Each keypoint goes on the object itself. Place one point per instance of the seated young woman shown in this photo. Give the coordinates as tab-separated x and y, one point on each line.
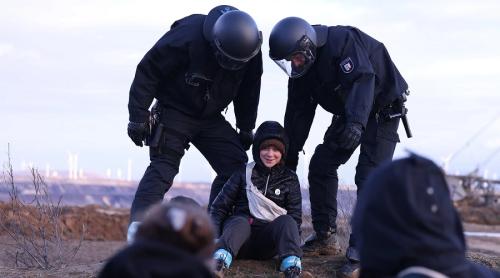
266	205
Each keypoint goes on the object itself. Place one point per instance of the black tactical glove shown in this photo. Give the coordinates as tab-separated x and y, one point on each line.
350	137
138	132
246	139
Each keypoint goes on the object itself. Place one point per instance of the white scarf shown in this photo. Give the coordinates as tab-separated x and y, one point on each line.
260	206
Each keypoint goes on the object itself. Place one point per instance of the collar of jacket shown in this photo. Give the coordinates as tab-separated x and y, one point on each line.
263	170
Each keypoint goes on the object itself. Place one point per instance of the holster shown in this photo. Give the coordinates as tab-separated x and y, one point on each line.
156	127
396	109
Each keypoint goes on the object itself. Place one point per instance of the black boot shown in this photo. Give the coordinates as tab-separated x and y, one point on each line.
322	243
351	268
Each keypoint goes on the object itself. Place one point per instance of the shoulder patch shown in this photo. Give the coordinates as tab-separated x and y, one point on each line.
347	65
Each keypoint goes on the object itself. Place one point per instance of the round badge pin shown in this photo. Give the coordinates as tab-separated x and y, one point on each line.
277	192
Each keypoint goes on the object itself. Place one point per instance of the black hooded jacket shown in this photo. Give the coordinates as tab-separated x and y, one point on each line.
405	217
352	76
182	73
283	186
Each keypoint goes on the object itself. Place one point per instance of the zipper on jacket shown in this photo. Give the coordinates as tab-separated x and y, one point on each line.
267	182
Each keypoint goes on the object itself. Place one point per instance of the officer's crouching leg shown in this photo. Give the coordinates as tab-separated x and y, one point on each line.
323	185
219	144
377	146
156	180
225	167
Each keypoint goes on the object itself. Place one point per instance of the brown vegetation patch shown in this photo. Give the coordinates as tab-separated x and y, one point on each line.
99	223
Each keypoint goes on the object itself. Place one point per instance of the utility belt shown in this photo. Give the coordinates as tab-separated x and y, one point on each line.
158	131
396	109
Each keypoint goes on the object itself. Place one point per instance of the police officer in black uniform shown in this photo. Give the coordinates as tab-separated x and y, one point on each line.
194	71
350	75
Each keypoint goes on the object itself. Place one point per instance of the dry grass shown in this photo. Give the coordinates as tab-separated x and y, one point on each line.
34	226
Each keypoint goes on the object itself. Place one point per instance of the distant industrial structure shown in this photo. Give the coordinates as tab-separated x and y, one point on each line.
476	187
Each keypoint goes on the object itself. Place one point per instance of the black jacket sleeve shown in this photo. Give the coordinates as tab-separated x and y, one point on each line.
247	100
358	77
299	115
224	202
294	201
156	65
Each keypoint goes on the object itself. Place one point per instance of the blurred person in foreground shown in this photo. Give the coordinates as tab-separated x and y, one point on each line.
176	239
267	206
406	224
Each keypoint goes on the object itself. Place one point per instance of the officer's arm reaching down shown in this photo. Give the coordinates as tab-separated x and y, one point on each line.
247	100
358	77
156	65
299	115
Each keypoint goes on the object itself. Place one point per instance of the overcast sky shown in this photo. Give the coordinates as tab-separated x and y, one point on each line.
66	69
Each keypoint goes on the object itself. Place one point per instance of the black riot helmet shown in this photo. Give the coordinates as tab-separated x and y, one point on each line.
292	46
234	36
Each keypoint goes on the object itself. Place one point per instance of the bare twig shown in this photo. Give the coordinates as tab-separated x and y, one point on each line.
36	226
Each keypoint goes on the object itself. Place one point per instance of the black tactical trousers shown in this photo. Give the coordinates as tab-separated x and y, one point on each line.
377	145
260	241
214	137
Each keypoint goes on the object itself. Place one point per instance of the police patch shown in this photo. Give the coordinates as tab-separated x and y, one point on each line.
347	65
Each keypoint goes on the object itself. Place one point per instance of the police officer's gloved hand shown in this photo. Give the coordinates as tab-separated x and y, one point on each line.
349	139
138	132
246	139
291	161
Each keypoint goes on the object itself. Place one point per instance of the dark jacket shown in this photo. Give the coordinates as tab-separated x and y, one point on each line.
405	217
182	73
283	186
153	259
352	76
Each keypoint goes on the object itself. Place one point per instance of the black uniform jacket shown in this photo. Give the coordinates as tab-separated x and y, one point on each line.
283	186
182	73
353	74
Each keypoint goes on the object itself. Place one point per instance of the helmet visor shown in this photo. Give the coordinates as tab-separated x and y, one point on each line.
296	64
227	62
230	62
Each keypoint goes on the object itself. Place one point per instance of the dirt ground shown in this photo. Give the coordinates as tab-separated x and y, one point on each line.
105	234
472	212
93	254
